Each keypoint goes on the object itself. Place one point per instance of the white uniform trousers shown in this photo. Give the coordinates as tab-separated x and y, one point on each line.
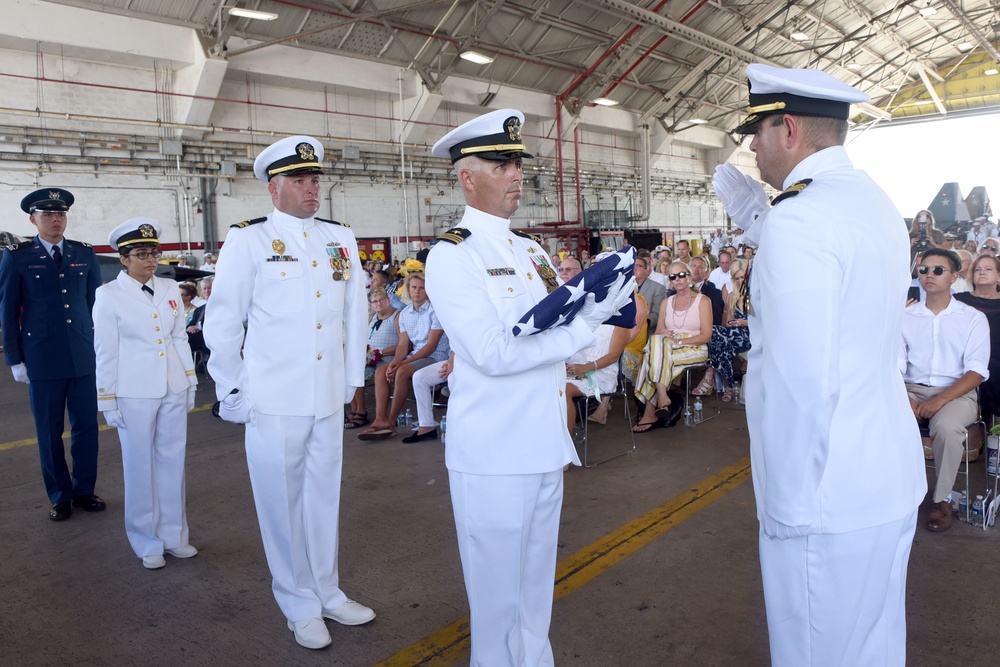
838	600
153	447
295	465
508	529
424	380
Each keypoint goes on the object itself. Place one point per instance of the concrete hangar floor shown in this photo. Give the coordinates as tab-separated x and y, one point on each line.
658	561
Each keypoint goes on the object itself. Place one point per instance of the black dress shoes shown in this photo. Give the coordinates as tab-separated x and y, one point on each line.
418	437
60	511
89	503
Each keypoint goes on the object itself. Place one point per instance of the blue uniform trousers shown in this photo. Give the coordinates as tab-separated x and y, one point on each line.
49	402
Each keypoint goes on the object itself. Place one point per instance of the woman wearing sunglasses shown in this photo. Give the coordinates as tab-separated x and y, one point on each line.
683	330
145	388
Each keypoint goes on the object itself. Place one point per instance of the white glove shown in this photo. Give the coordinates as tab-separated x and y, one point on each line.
349	395
236	408
20	372
114	419
782	531
743	197
594	314
192	391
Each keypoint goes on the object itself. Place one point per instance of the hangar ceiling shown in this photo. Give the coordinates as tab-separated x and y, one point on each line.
677	61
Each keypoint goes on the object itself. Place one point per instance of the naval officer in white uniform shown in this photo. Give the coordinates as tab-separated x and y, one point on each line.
837	463
296	280
506	484
145	388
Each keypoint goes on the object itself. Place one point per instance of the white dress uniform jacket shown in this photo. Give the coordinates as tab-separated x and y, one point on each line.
141	344
306	334
490	280
831	429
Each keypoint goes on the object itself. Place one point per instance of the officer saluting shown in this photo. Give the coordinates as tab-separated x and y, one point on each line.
506	484
296	280
47	287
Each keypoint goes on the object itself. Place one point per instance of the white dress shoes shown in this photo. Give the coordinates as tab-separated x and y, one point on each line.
310	632
186	551
350	613
153	562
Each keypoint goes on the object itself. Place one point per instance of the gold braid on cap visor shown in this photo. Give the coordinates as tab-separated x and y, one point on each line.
290	167
495	147
139	240
764	108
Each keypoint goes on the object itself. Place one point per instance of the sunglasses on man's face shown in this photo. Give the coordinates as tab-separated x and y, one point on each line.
936	270
675	276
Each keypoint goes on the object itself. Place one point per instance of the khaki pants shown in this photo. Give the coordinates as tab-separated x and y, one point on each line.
947	434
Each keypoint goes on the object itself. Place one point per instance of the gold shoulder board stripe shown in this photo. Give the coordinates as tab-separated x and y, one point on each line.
455	235
247	223
792	190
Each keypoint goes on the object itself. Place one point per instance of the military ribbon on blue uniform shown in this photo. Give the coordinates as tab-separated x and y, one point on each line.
562	305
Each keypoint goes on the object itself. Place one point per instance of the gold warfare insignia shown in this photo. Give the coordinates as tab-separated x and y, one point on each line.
55	194
513	127
278	246
306	151
147	231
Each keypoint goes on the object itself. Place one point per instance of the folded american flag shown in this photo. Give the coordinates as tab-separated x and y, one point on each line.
566	301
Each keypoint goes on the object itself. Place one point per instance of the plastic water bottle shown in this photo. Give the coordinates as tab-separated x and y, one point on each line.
408	420
698	410
443	428
688	418
963	506
400	421
977	512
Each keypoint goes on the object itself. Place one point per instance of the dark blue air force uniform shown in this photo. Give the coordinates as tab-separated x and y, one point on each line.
45	312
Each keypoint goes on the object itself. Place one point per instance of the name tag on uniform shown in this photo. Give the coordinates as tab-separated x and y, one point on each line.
282	258
37	266
503	271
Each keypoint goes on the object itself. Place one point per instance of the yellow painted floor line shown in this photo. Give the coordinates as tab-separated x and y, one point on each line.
34	441
449	644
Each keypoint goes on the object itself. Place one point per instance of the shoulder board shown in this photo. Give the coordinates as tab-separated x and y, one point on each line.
526	235
333	222
23	245
792	190
82	244
247	223
455	235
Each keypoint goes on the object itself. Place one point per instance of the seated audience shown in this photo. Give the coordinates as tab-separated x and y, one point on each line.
569	268
594	370
963	282
652	291
424	381
381	279
419	331
720	276
383	337
699	279
632	356
733	337
990	246
984	278
944	357
682	334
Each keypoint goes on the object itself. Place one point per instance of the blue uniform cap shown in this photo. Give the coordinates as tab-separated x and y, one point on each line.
48	199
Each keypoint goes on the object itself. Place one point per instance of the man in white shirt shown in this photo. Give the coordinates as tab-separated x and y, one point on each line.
720	275
717	241
944	357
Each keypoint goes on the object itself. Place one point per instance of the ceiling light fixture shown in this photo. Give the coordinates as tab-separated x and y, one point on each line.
697	121
606	102
475	57
252	14
927	11
854	66
964	46
991	71
799	36
892	86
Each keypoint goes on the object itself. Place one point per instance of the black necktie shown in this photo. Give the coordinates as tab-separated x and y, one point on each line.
147	289
56	255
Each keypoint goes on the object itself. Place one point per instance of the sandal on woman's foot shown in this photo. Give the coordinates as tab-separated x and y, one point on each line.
727	395
706	386
357	420
643	427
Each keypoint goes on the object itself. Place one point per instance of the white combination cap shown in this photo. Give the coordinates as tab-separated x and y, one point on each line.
135	231
492	136
292	155
800	92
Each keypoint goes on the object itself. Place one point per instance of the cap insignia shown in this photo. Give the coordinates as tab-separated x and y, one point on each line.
147	231
306	151
513	127
54	194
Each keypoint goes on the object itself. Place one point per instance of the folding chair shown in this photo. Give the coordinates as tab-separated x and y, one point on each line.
967	458
687	394
583	412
